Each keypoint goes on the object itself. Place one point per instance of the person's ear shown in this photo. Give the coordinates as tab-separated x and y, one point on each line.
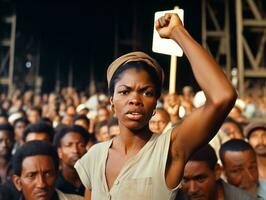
218	171
59	153
111	100
17	182
112	105
223	172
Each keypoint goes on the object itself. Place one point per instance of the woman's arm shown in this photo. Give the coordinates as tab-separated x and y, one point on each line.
202	124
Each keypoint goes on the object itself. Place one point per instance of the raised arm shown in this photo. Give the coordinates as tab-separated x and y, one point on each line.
202	124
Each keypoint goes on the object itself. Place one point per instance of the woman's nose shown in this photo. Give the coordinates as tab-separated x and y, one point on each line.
135	99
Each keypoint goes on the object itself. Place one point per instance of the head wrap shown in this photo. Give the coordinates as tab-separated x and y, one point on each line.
134	56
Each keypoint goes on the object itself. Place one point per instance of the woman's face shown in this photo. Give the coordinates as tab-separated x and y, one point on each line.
134	99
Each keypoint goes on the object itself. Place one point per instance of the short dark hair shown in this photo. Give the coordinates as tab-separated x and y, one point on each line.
139	65
74	128
81	117
3	114
234	145
38	127
46	120
21	119
205	154
8	128
34	148
36	108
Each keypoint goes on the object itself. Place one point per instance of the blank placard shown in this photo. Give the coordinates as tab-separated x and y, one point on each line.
166	46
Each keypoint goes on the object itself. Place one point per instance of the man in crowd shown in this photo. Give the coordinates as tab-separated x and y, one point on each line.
240	166
202	181
3	117
34	114
19	126
71	145
113	127
38	131
82	120
103	114
101	131
35	167
232	128
160	121
67	120
256	134
6	146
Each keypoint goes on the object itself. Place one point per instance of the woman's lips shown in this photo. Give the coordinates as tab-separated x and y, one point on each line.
134	116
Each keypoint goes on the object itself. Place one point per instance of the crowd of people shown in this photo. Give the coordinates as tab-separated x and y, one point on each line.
69	123
69	145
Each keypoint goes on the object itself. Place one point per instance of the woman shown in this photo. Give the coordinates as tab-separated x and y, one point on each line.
138	164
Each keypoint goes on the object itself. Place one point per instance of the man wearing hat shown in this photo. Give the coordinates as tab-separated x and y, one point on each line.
256	135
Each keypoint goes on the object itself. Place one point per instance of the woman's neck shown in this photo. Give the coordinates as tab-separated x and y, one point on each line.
130	141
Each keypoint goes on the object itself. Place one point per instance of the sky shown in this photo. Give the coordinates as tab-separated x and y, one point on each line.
81	35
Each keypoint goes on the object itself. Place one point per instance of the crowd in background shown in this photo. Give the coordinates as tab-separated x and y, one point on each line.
73	121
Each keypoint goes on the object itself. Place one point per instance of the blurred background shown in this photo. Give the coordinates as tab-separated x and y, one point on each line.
72	42
57	44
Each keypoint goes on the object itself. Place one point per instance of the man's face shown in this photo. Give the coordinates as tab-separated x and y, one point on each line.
241	170
102	134
102	114
67	120
34	116
199	181
158	122
232	130
6	143
37	179
257	140
73	147
18	129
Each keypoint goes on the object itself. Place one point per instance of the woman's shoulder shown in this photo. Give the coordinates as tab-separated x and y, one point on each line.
97	150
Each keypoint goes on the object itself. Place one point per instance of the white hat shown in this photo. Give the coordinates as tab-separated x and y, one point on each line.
81	107
13	117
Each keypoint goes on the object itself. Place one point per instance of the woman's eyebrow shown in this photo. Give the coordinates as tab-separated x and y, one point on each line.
129	87
146	87
126	86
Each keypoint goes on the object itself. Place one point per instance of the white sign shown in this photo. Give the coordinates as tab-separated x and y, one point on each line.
163	45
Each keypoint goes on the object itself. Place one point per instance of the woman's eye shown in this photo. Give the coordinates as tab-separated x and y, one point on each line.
30	175
149	93
124	92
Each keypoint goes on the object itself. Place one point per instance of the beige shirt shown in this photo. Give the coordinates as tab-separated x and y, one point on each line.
63	196
141	178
